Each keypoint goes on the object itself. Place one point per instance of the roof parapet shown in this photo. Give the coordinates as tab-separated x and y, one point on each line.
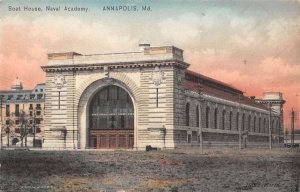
146	53
61	56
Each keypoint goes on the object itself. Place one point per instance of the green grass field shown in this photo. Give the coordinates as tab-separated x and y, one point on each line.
174	170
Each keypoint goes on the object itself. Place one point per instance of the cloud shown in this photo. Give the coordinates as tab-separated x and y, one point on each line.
25	43
215	43
182	30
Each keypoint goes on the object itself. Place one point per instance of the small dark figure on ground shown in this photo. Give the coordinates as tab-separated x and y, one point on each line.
149	148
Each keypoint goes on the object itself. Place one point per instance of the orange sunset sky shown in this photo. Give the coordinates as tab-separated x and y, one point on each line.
252	45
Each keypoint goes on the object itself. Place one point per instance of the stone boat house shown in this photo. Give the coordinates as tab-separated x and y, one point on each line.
149	97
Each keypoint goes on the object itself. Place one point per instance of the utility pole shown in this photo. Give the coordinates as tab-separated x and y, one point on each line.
0	123
34	111
73	103
238	124
292	128
199	116
270	129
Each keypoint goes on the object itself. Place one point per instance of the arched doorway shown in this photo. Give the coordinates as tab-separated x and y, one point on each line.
111	119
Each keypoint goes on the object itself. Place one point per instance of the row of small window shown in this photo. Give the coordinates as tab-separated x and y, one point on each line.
17	110
261	127
23	97
38	106
112	122
41	90
29	130
18	122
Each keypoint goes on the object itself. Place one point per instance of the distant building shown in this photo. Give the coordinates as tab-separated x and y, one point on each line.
149	97
22	114
289	138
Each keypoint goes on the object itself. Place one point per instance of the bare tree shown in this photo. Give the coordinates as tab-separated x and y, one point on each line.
8	129
20	126
24	120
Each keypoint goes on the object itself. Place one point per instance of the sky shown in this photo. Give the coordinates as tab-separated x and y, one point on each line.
252	45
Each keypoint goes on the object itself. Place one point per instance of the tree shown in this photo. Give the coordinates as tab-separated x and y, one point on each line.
20	126
8	129
24	120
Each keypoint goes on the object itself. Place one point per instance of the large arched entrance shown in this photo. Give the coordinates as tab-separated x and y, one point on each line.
111	119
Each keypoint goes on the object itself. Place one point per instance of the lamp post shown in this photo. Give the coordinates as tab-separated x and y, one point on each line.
33	142
292	128
7	132
270	129
238	124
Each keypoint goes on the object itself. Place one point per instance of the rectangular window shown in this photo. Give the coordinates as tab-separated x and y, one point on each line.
37	121
30	106
122	119
130	122
17	110
30	113
32	96
39	96
7	111
10	97
19	97
31	122
194	135
17	122
7	122
38	106
38	113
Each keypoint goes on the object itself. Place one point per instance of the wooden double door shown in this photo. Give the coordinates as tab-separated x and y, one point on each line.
111	139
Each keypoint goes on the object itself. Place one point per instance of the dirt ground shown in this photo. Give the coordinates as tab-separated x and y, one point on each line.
169	170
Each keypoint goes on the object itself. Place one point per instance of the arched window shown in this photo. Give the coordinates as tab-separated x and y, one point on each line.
254	124
249	123
207	119
278	126
265	126
187	114
243	122
237	121
275	127
230	120
111	115
216	118
223	119
259	125
197	116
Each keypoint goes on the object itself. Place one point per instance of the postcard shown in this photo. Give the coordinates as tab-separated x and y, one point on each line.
149	95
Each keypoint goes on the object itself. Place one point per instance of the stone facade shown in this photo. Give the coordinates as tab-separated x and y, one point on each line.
165	104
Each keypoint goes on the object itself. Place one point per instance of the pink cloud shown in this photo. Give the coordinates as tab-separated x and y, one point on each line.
25	44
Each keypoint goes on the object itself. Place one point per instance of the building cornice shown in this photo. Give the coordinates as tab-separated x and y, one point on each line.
267	101
115	65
